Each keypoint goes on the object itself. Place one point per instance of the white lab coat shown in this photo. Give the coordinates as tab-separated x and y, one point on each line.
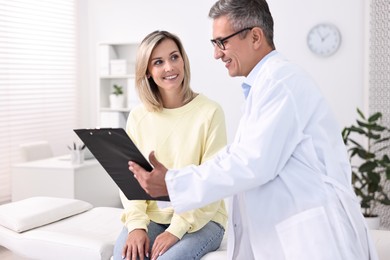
289	172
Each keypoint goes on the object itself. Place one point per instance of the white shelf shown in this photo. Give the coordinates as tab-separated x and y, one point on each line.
110	54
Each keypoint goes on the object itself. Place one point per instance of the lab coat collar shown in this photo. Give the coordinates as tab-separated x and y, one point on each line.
250	79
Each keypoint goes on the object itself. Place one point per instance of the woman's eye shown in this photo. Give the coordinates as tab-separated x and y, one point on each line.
175	57
157	62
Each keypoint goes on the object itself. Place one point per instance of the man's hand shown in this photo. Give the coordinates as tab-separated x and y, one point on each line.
152	182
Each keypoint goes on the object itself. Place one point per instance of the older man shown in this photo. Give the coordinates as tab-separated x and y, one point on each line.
287	169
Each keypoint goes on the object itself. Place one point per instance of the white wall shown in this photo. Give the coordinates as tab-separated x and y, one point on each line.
341	76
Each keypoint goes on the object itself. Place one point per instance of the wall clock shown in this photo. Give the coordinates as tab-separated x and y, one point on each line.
324	39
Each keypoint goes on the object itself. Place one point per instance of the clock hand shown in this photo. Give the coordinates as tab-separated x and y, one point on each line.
324	37
319	34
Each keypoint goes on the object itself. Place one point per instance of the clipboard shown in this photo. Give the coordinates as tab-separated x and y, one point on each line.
113	148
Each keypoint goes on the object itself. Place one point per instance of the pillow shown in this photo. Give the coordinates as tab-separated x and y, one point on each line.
34	212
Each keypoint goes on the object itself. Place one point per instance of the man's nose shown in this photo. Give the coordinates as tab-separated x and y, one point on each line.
218	53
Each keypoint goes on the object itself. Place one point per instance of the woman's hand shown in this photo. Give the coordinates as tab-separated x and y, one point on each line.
162	243
137	245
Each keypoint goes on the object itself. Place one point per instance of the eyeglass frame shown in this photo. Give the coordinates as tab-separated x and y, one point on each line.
220	42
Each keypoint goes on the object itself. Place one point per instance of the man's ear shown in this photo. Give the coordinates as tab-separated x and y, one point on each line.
258	37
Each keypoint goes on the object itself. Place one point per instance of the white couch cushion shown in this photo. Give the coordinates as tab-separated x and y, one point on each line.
34	212
90	235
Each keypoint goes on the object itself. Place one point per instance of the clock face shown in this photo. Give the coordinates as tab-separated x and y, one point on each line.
324	39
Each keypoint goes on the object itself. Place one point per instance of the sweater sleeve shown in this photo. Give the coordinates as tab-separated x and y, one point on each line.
134	214
193	220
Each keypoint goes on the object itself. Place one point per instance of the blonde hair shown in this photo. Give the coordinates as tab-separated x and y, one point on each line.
147	89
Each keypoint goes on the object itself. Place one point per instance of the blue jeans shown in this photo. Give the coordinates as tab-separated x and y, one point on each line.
191	246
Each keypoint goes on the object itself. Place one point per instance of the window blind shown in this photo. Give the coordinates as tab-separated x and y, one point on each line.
38	76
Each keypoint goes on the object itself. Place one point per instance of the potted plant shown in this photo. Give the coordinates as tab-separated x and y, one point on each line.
367	143
117	98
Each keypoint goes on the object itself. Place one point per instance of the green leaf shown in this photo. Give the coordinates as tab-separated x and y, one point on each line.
381	149
377	128
345	134
382	140
365	203
374	181
359	192
370	126
364	124
374	136
365	154
375	117
356	143
385	201
368	166
357	130
118	90
360	113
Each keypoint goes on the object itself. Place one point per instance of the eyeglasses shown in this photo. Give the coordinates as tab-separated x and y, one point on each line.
221	42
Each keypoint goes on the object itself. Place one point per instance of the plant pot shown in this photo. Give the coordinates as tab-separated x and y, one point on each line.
373	222
117	101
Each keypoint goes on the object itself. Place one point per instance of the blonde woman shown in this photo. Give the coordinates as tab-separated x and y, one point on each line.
182	128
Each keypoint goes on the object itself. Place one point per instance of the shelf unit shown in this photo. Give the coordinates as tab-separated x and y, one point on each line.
116	65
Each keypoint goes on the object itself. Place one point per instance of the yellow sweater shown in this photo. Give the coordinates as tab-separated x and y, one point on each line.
187	135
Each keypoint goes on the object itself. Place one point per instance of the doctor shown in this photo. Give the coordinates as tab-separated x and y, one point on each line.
287	168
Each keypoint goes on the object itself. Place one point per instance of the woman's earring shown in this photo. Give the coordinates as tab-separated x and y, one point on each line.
148	76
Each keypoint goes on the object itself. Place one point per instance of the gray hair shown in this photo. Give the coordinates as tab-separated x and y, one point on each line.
246	13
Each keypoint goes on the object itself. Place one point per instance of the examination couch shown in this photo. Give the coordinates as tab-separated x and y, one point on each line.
62	229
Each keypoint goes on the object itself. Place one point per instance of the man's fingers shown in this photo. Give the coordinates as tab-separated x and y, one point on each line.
140	175
153	160
158	167
152	182
135	168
